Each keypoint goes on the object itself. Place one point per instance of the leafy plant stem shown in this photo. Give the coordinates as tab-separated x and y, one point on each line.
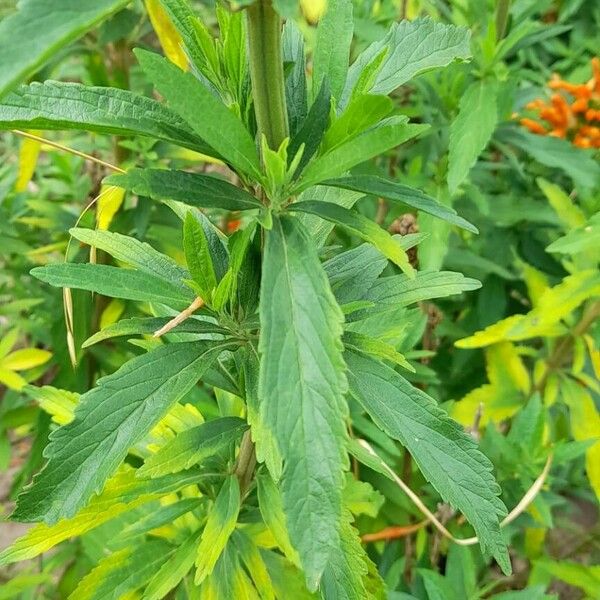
266	72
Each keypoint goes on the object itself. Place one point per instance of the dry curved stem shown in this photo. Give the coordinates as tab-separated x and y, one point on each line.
527	499
393	533
58	146
180	318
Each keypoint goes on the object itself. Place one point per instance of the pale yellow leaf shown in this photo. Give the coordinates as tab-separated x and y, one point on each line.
570	214
28	157
168	36
27	358
112	312
585	425
110	200
11	379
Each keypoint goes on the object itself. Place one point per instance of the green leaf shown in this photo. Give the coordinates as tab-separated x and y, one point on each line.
40	28
271	509
303	404
124	571
173	570
219	526
399	290
364	112
375	347
205	113
115	283
295	80
131	251
148	325
581	576
414	47
255	565
203	191
353	272
311	132
402	194
556	154
198	257
445	454
56	105
192	446
472	129
359	225
121	494
344	576
582	239
390	133
110	419
332	50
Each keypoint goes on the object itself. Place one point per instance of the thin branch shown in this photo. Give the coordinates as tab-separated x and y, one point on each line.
180	318
527	499
58	146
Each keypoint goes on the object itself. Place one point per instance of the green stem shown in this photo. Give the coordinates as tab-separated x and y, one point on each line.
266	72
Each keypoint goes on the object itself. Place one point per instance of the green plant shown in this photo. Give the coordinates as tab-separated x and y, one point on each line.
255	388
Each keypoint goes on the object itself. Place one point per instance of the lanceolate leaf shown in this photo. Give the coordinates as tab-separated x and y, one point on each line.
110	419
219	526
413	48
148	325
192	446
115	283
375	141
359	225
123	492
312	129
402	194
173	570
58	105
303	404
39	28
446	455
199	190
472	129
205	113
399	290
123	571
332	51
295	81
131	251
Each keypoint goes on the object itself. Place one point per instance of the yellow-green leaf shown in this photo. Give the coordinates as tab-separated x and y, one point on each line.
27	358
168	36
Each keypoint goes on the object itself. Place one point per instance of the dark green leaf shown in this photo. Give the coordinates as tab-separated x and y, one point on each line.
191	446
390	133
295	81
110	419
472	129
205	113
313	127
413	48
359	225
115	283
40	28
397	192
148	325
332	50
203	191
446	455
303	404
56	105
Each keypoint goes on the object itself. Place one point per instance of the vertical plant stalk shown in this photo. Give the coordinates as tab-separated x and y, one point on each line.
266	72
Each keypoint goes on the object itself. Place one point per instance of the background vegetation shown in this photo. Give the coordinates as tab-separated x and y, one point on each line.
513	147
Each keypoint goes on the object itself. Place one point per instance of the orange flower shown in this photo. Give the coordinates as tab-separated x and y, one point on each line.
571	110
